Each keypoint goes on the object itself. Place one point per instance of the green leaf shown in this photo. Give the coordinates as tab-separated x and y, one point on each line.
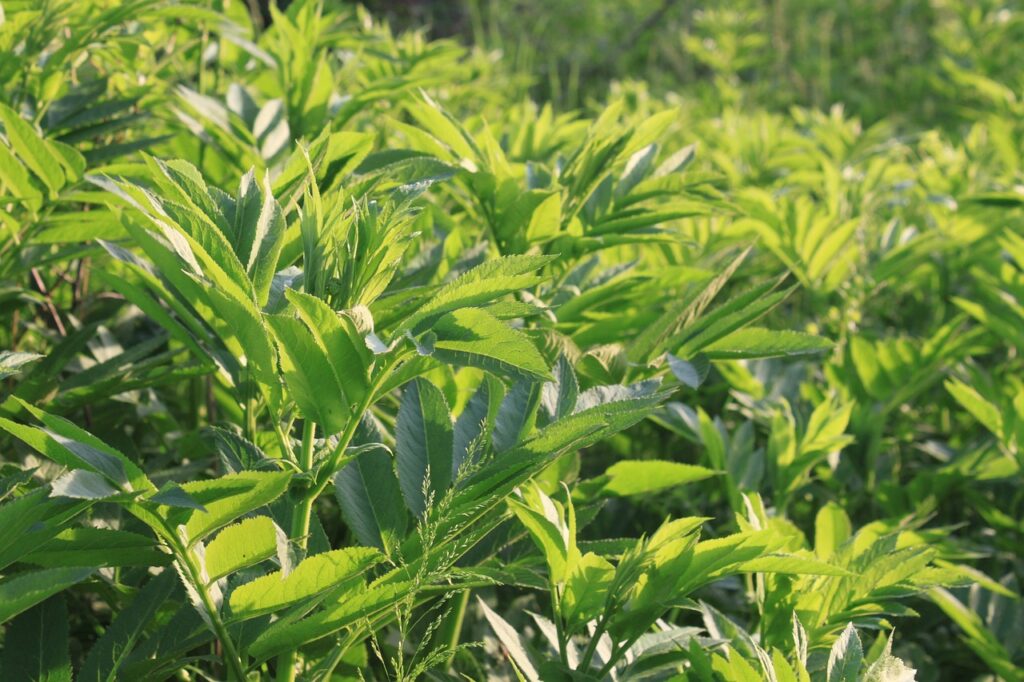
36	645
241	545
16	179
83	485
475	338
309	374
832	528
791	564
689	373
312	577
516	414
259	242
545	223
11	362
370	499
653	340
423	444
512	641
67	444
172	495
109	653
24	590
230	497
474	425
32	149
559	397
480	285
338	336
586	589
444	128
981	409
640	477
552	527
236	453
757	342
846	656
98	547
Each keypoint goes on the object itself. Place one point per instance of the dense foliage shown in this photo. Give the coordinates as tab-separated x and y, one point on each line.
331	351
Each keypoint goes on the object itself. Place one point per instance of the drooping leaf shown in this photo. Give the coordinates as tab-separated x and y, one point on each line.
83	485
512	641
423	444
370	498
11	362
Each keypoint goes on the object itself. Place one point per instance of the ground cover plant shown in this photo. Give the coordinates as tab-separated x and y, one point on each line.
337	349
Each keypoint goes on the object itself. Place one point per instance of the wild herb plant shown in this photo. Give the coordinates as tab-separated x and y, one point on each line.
327	354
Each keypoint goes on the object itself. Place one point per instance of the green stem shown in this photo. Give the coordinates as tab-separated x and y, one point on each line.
300	522
595	639
236	671
299	534
350	430
282	438
563	641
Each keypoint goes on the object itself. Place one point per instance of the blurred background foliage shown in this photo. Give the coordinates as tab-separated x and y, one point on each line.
922	62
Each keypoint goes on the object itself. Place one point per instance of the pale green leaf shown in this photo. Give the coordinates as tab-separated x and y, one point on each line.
312	577
32	149
476	338
641	477
241	545
757	342
832	528
230	497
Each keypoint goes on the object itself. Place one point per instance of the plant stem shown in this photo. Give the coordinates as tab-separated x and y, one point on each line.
595	639
339	451
299	533
300	521
236	671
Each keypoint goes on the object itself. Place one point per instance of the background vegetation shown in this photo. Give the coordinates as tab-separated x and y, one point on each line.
494	340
